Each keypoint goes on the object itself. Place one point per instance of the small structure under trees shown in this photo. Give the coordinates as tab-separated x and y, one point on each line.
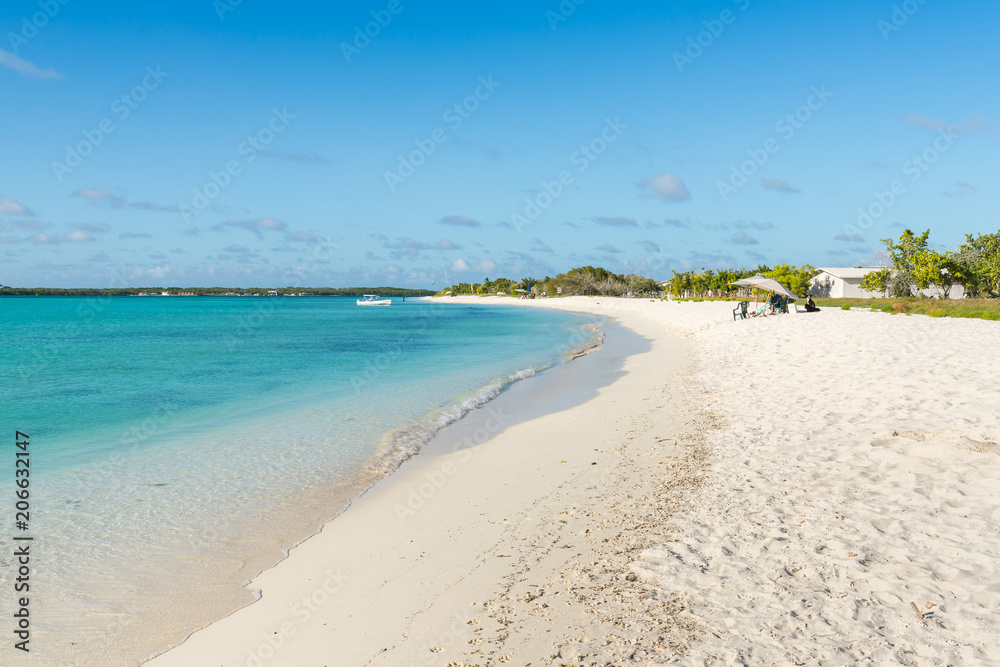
841	282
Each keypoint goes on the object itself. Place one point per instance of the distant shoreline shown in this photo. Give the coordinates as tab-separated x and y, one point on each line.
258	292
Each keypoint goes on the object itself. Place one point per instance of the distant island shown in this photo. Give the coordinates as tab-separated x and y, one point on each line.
214	291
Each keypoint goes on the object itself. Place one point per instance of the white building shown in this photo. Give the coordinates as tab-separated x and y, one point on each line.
845	283
841	283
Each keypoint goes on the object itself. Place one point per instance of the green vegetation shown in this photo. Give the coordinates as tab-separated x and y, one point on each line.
588	280
984	309
214	291
975	266
582	281
498	286
717	283
597	281
980	258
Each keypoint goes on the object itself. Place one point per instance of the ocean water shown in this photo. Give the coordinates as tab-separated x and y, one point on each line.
179	445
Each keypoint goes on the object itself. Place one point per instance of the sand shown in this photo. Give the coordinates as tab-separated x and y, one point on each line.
803	489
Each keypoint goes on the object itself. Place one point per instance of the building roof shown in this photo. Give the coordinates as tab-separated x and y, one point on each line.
850	272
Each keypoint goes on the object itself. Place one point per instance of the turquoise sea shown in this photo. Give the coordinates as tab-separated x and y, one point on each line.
180	444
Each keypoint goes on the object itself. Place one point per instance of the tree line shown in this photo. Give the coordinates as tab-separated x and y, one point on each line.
975	266
214	291
581	281
708	282
914	267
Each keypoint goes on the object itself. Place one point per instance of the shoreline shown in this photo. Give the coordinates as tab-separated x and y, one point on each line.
403	502
222	554
387	462
785	490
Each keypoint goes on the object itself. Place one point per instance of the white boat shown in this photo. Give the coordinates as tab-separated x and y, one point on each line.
374	300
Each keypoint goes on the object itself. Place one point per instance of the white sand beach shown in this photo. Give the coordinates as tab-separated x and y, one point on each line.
818	489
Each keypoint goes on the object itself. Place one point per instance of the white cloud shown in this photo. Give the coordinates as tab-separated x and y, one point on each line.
666	186
10	207
616	222
459	221
742	238
96	227
849	238
22	66
670	222
778	185
960	188
256	226
31	224
304	237
93	193
100	194
459	266
975	123
540	246
159	272
407	247
72	237
487	265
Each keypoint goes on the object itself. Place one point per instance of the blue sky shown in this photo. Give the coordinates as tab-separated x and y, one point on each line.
258	143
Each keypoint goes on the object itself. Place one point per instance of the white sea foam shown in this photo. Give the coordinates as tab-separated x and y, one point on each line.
404	442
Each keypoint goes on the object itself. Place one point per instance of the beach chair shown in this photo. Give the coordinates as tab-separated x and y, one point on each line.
741	310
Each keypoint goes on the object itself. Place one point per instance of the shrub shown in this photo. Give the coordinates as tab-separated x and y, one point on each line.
938	312
845	307
888	309
900	307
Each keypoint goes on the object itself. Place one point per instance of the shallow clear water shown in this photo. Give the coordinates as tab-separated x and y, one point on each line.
193	439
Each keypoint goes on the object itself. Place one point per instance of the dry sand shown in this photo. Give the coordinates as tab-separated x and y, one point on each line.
804	489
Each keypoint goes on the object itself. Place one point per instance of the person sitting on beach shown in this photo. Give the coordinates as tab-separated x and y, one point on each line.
811	306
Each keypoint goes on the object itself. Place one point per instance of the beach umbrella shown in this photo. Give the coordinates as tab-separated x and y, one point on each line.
767	284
